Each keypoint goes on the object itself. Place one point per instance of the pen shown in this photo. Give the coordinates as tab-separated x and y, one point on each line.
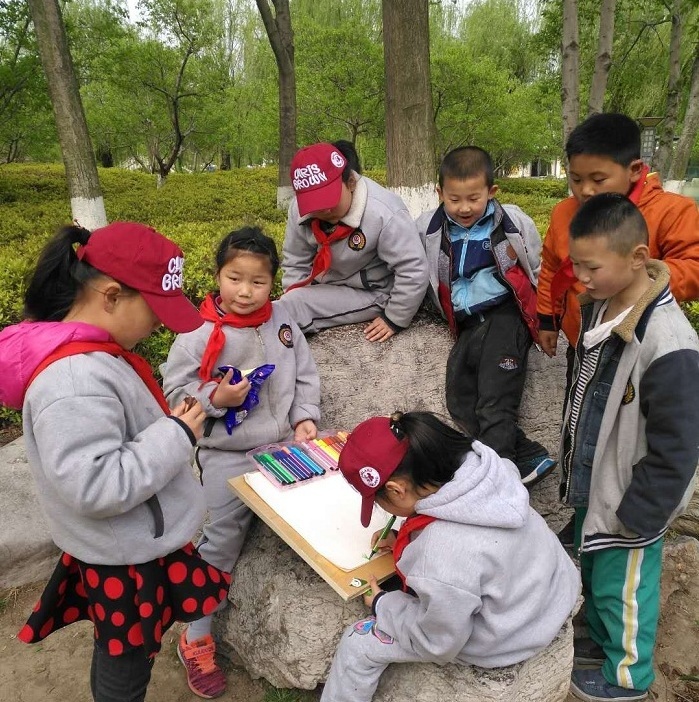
382	536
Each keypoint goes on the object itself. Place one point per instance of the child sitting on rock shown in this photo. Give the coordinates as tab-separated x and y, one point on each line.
485	581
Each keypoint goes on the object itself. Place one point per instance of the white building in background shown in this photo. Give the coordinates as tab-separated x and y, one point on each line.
541	168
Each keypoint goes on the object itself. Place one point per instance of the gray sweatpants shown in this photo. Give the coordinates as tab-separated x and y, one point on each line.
316	307
362	655
229	519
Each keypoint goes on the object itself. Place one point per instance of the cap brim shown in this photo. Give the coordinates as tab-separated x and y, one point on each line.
367	510
324	198
176	312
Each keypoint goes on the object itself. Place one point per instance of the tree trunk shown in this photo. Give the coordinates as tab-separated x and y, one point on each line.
663	156
86	201
570	68
410	137
690	126
603	60
281	39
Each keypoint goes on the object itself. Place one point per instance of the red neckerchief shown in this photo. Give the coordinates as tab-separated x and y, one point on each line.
217	339
564	278
415	523
138	363
324	257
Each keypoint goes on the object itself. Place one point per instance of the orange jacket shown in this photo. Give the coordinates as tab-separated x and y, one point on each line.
673	227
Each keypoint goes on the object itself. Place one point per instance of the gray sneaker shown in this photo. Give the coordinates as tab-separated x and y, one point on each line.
592	686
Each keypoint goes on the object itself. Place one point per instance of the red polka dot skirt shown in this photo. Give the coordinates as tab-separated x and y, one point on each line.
130	605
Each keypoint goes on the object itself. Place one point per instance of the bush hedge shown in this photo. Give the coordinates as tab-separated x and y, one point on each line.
195	210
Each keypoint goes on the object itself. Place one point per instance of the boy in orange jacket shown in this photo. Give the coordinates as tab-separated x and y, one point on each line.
604	156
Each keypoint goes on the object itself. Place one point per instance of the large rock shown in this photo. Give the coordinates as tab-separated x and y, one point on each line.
285	622
27	552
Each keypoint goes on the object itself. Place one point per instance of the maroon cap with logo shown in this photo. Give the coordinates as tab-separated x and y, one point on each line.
372	453
143	259
316	175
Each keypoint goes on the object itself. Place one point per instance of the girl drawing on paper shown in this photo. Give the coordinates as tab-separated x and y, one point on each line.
485	581
243	329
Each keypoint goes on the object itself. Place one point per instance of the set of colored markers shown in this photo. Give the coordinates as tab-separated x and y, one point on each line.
290	464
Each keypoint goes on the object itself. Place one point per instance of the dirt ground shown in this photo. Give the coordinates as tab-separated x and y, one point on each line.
58	668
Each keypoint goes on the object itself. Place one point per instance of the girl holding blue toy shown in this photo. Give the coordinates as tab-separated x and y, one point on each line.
485	581
245	336
111	462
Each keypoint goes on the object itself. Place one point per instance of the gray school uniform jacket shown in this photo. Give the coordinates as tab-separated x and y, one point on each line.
385	254
102	452
493	584
636	436
288	396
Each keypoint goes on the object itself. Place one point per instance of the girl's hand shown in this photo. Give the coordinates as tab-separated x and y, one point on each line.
227	395
548	340
378	330
305	430
192	414
385	544
369	595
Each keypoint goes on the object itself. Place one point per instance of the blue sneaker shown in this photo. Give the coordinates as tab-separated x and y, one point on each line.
592	686
536	469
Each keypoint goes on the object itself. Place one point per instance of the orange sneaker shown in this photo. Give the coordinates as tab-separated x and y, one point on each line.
204	677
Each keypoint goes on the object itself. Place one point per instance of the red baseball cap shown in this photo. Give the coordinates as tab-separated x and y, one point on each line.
316	175
372	453
143	259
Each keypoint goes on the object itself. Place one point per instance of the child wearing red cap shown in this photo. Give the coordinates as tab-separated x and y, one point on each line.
243	329
478	564
112	463
351	249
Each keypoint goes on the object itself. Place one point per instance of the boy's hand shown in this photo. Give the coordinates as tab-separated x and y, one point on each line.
548	341
385	544
227	395
192	414
305	430
369	595
378	330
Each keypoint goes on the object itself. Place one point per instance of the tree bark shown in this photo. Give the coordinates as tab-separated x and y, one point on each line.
603	60
281	38
690	126
86	201
410	131
663	155
570	68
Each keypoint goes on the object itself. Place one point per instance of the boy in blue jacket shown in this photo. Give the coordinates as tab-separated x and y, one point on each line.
484	261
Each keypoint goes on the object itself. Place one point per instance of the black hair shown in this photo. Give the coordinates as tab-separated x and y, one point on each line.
436	449
608	134
467	162
59	276
613	216
346	148
251	239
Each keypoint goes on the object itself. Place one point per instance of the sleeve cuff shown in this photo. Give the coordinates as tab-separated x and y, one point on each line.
190	435
391	324
376	601
547	322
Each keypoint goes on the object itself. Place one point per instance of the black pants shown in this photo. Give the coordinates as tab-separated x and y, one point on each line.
122	678
486	370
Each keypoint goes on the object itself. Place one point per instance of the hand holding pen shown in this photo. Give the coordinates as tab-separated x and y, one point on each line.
383	539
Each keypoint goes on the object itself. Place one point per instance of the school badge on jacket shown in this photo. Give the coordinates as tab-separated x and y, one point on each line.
286	336
356	241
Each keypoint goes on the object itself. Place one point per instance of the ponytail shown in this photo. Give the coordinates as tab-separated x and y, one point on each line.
436	449
58	277
346	148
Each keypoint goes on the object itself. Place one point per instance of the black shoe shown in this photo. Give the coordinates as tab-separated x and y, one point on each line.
536	469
